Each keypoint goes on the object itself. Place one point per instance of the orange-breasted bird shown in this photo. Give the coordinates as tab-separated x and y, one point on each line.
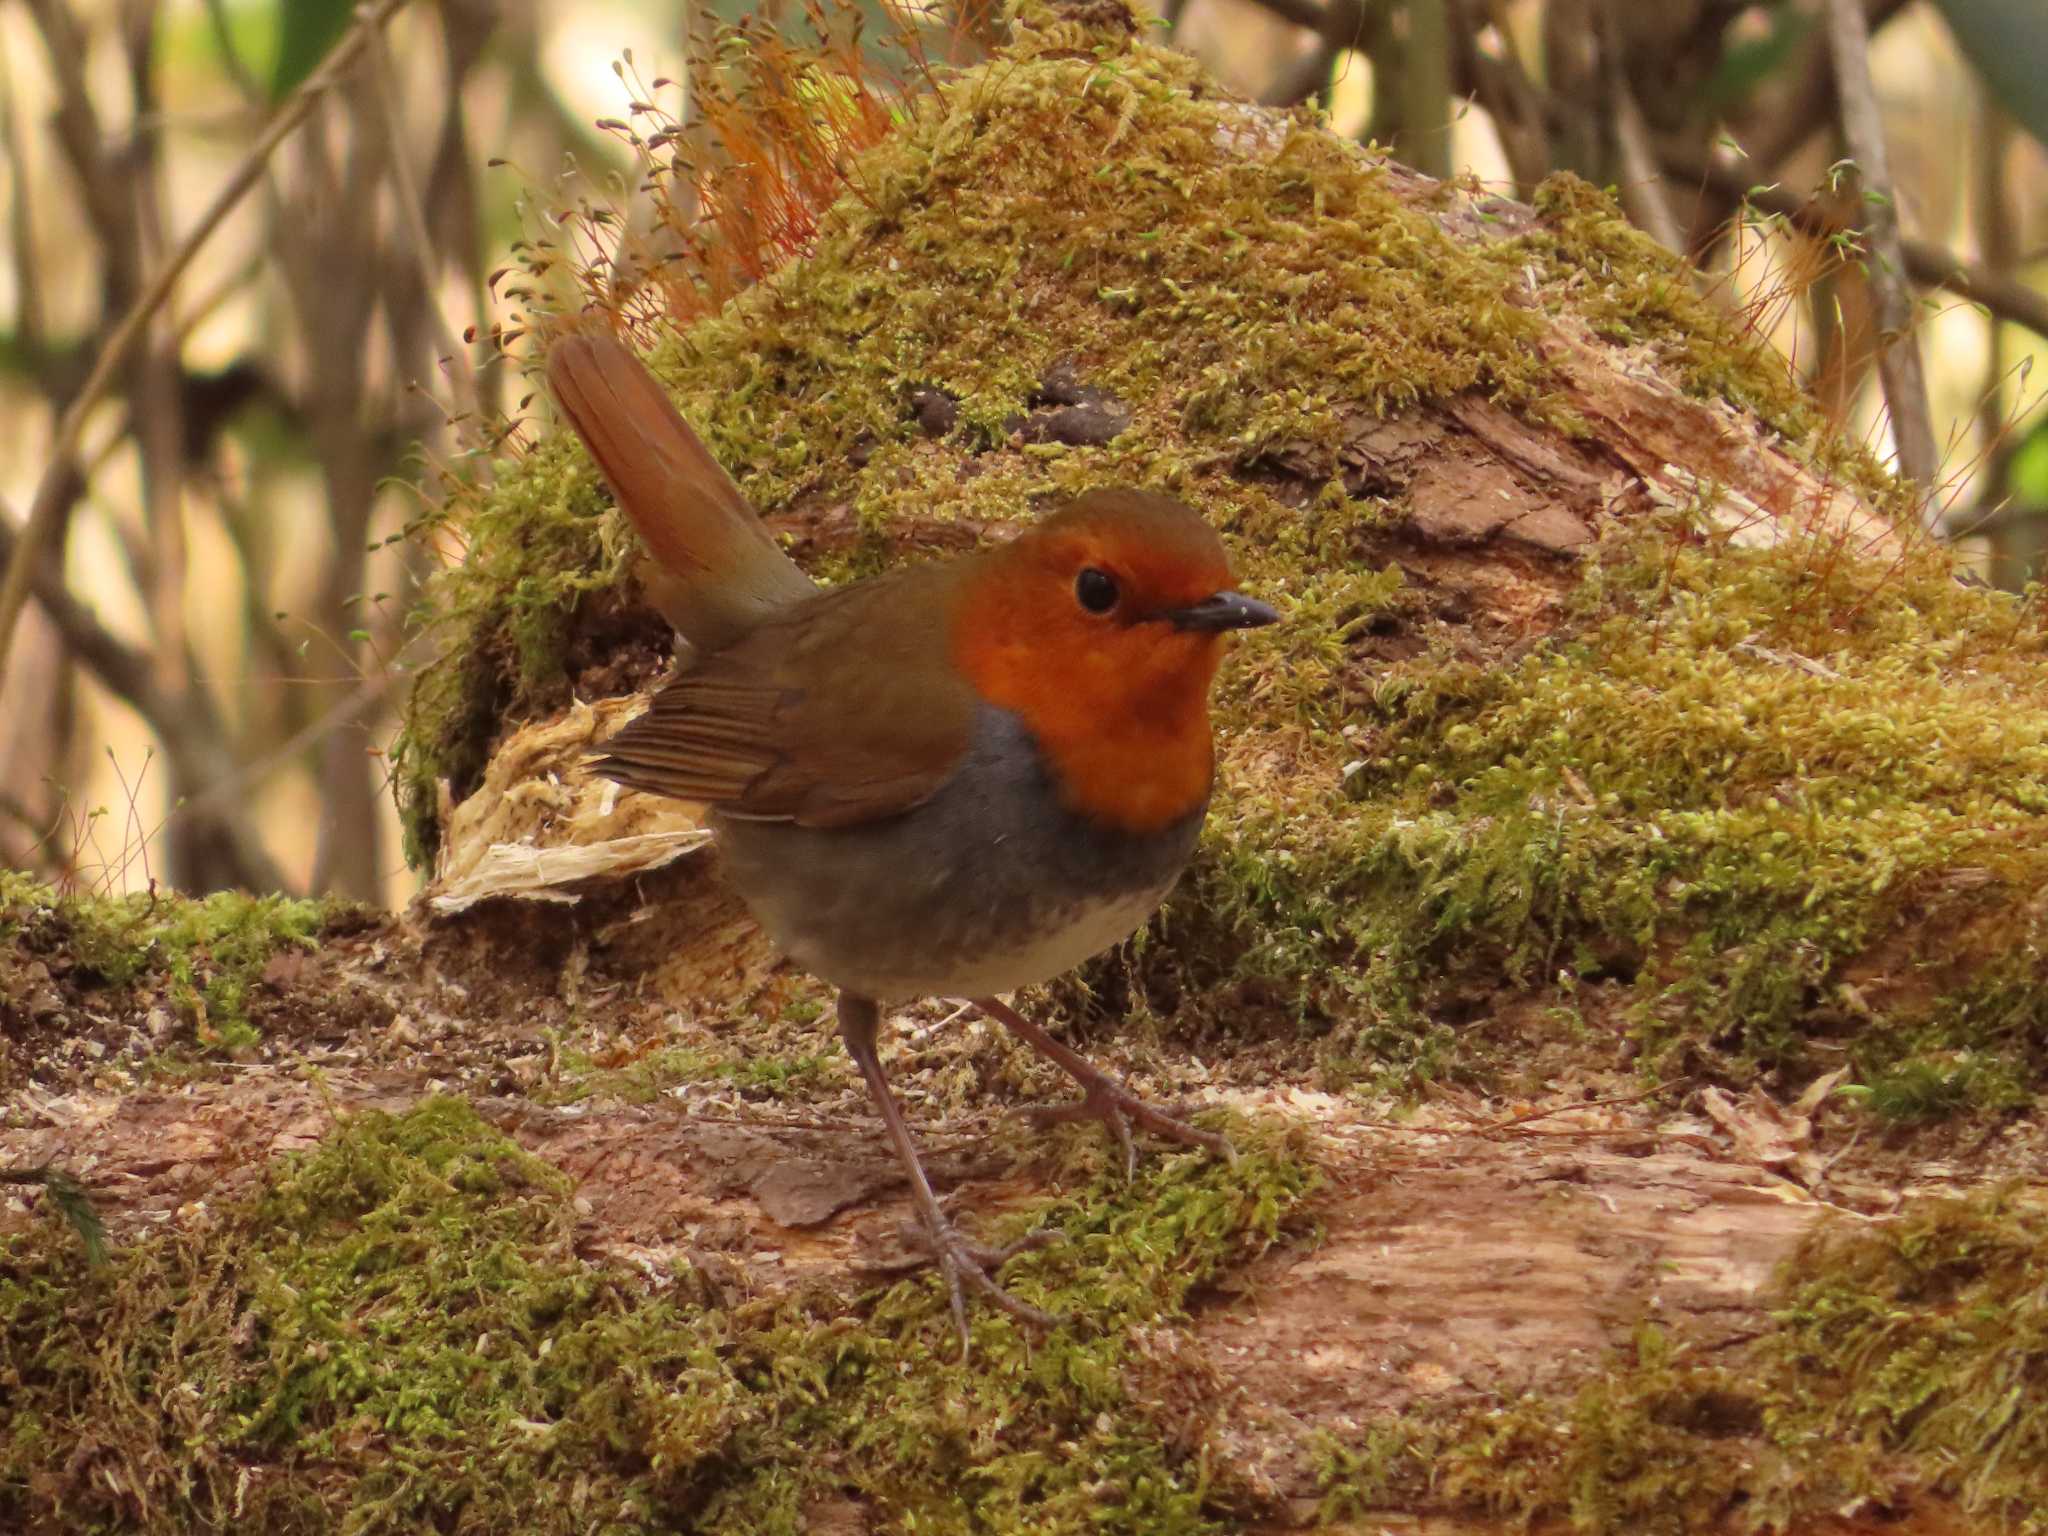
955	779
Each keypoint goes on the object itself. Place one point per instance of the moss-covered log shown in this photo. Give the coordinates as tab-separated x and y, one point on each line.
1608	676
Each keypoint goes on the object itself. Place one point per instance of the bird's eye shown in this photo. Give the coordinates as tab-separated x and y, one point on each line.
1095	590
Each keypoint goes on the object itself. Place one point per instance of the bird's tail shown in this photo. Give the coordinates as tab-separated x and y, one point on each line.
722	571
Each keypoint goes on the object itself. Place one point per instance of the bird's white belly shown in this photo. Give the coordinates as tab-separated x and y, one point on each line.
1024	960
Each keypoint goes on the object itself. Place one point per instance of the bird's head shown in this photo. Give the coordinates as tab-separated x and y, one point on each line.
1100	628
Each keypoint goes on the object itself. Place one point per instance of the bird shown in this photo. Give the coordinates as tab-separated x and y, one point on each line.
954	779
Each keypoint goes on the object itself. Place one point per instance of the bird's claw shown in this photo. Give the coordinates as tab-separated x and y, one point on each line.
969	1265
965	1264
1116	1108
1102	1096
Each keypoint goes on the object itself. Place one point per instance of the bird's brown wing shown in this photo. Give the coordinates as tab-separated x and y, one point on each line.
828	717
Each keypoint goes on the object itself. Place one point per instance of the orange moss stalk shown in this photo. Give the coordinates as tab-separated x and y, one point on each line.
740	188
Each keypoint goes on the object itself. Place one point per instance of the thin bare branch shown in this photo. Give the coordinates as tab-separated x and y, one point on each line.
194	738
1504	87
28	288
1307	77
362	702
1926	263
1898	349
1340	26
1642	183
50	498
1814	102
1425	88
2006	298
83	143
412	215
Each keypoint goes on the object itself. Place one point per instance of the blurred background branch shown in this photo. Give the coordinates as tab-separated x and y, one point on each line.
1897	347
218	583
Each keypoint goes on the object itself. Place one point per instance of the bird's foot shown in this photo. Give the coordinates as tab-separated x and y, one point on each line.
966	1265
1117	1108
970	1266
1102	1096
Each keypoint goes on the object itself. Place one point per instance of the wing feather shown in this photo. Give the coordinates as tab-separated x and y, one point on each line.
828	716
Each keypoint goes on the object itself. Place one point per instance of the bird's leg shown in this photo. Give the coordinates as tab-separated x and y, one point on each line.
958	1260
1103	1097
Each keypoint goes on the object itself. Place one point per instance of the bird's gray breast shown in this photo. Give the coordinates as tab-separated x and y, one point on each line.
990	885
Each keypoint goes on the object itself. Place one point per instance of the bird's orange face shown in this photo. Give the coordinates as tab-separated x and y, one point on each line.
1101	628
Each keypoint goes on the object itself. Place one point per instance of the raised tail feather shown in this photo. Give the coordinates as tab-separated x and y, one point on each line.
725	573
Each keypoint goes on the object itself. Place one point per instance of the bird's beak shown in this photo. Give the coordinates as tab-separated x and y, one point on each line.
1224	611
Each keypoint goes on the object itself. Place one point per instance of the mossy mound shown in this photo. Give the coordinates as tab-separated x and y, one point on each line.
201	957
1237	283
1906	1359
397	1335
1784	800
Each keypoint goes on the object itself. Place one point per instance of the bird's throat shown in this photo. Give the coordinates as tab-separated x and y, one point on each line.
1134	781
1127	747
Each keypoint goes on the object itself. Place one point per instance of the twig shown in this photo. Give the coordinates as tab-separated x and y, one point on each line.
28	302
1898	350
221	795
1642	190
1304	78
1814	100
1544	1114
1504	88
1425	89
52	496
1810	105
412	214
102	191
17	811
1855	1136
1339	26
2005	297
1792	659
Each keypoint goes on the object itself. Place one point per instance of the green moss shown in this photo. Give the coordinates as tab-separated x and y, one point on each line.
205	953
1650	1444
1783	797
1908	1356
534	544
1923	1341
397	1334
1629	289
